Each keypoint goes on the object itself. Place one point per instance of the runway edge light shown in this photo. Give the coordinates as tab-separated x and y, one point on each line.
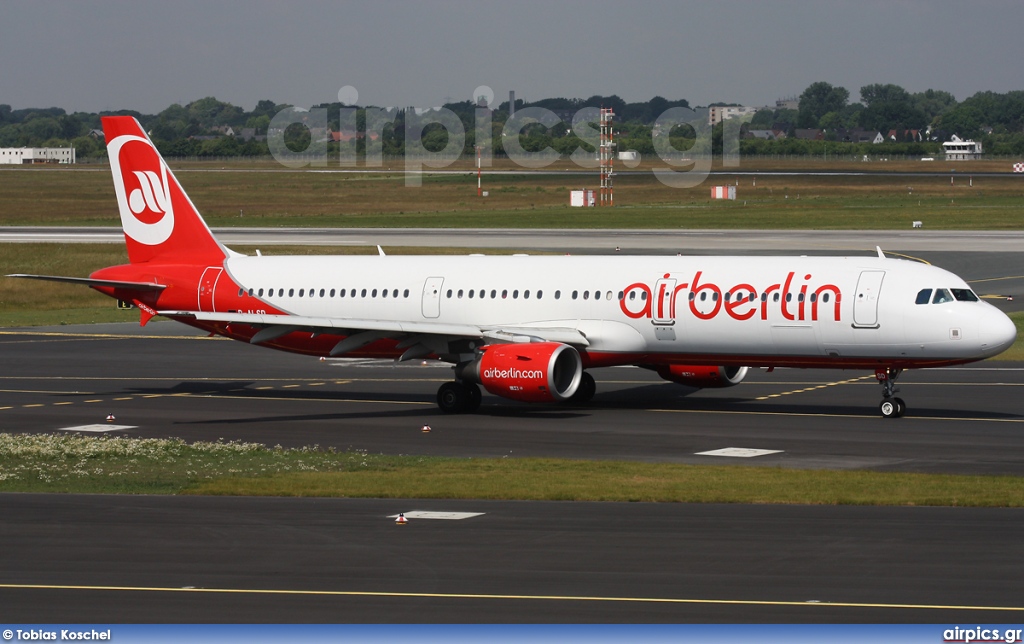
401	520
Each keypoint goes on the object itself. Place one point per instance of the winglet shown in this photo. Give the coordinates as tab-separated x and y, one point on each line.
881	255
380	250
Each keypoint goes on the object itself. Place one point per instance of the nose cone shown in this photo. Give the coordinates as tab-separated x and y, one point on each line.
997	332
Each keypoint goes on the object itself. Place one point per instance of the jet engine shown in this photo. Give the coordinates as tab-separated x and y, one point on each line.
702	377
530	372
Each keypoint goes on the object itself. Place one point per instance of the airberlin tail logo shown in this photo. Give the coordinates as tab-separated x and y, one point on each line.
142	185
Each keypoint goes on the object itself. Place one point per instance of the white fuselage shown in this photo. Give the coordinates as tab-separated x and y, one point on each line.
730	310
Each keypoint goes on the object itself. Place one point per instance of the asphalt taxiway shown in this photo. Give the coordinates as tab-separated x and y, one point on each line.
101	558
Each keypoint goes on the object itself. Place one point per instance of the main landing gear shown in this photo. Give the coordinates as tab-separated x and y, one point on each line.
458	397
891	406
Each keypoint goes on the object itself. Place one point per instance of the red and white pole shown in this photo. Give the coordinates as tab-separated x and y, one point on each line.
479	188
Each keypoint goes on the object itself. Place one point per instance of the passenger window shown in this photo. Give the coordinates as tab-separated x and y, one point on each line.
728	294
515	294
405	293
449	294
526	295
800	298
332	292
250	292
752	297
703	296
471	294
540	294
575	294
775	297
814	297
291	292
341	293
923	296
384	293
558	295
362	293
460	293
643	296
825	297
941	296
632	295
240	292
586	295
374	294
764	297
301	291
504	293
259	293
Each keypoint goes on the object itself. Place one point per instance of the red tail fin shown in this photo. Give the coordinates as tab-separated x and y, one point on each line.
159	221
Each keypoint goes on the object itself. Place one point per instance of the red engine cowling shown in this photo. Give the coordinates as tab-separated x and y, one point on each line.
703	377
531	372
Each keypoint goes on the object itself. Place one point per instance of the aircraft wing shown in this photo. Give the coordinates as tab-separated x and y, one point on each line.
275	326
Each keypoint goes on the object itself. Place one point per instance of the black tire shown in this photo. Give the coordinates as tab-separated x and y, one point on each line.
585	392
901	407
889	408
474	397
453	398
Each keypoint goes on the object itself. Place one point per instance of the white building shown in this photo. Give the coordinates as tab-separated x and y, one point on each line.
719	113
21	156
958	149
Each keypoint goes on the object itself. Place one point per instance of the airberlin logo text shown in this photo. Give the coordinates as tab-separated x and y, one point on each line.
514	374
793	298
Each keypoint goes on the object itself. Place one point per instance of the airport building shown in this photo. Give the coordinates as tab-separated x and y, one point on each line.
27	156
719	113
958	149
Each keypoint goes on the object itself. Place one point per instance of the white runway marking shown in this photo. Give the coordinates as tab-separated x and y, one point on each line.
740	452
97	428
450	516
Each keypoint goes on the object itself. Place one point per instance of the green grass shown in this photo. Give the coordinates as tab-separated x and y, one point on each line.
85	196
70	463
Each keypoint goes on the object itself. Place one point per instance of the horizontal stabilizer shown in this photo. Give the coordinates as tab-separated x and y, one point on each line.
88	281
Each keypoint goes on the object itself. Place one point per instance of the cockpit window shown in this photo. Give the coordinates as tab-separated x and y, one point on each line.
941	295
964	295
924	295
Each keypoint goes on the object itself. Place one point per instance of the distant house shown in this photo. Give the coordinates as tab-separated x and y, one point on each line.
345	135
96	134
859	135
810	135
226	130
764	135
958	149
904	135
249	134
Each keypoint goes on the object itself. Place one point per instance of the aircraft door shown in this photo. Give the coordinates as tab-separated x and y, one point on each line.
207	285
432	297
865	303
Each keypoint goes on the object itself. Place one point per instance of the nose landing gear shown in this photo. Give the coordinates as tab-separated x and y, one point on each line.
891	406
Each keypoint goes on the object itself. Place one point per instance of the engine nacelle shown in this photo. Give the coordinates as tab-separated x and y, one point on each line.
531	372
703	377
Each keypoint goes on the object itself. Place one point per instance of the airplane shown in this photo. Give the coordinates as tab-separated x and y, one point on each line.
528	328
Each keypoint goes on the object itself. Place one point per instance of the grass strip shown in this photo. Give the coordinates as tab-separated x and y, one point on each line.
73	463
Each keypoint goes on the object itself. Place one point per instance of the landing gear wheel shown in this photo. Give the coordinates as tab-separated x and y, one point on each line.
892	407
887	407
453	398
901	407
585	392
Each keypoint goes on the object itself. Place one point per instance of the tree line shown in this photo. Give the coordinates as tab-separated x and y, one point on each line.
196	129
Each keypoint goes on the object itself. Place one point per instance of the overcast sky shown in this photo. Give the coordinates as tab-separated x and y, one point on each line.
145	54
